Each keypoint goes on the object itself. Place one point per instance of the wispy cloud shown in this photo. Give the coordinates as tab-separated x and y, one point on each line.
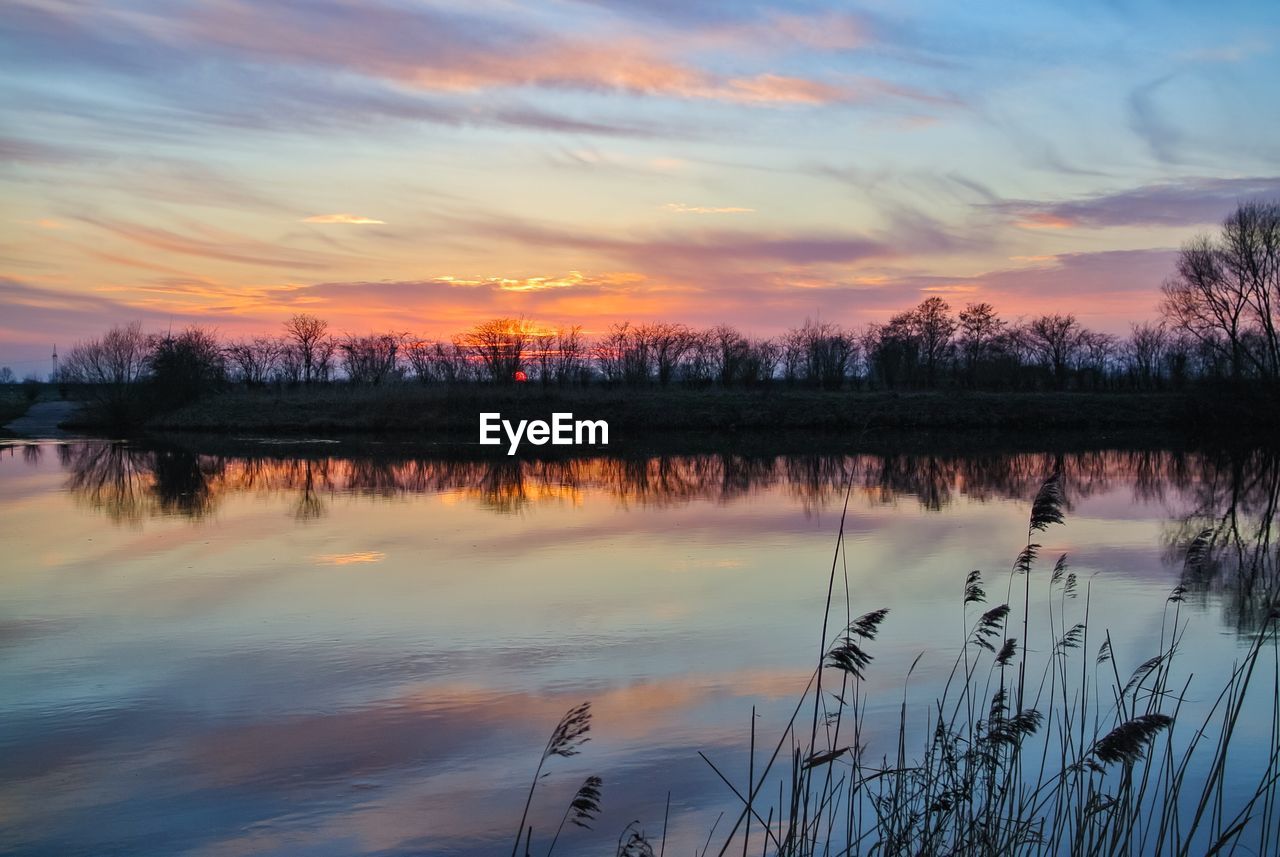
449	52
47	223
209	243
1180	202
681	208
1044	220
1152	124
341	218
355	558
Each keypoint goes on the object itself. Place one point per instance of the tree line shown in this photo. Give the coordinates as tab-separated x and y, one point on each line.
1218	321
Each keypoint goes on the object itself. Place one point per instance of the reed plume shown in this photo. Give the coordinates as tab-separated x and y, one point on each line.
846	655
582	810
1127	742
1046	509
566	740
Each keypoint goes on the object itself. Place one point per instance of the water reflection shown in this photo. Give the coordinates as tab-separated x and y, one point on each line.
1225	541
255	652
129	482
1233	496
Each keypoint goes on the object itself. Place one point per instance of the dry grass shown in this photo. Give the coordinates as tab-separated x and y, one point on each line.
1045	749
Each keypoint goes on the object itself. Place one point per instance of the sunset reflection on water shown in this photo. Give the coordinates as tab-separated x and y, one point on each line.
352	654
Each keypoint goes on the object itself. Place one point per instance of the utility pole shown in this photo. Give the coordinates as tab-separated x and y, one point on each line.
54	376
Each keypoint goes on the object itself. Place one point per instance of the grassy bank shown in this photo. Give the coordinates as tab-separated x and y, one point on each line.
427	410
15	400
12	404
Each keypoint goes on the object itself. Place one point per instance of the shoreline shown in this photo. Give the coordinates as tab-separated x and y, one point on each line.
453	414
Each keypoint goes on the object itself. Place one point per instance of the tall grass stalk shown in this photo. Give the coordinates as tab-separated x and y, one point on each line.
1040	747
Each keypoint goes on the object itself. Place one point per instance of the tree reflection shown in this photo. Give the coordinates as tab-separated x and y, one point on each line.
129	483
1232	497
129	480
1225	541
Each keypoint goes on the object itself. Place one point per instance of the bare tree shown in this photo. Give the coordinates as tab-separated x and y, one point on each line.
253	360
570	364
1226	291
1145	351
314	350
730	351
760	363
1055	339
933	326
500	345
453	361
1094	356
892	350
372	359
700	363
325	358
980	331
288	368
610	352
820	353
118	359
1250	250
111	367
543	356
670	345
418	353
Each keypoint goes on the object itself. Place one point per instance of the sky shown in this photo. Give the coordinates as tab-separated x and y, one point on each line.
416	166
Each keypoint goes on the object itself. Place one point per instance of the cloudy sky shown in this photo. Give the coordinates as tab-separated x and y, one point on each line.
411	165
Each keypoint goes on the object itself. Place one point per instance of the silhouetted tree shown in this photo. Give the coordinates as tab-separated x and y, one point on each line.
1145	351
671	343
981	330
110	368
892	350
932	326
500	344
1226	291
314	351
254	361
570	363
730	350
373	359
1054	339
185	366
820	353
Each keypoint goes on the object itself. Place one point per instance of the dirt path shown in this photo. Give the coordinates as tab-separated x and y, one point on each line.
41	420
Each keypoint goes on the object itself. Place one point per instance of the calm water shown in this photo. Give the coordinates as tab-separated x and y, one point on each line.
294	650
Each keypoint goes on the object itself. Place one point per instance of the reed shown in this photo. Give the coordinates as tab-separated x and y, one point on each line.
566	740
1037	745
1057	753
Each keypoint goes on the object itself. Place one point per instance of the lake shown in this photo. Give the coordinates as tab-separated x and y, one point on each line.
322	649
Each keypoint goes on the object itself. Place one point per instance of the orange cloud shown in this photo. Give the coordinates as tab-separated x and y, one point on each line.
358	558
778	89
1044	220
449	57
950	289
340	218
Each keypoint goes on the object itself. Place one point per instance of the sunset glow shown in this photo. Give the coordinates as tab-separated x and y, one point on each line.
421	166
